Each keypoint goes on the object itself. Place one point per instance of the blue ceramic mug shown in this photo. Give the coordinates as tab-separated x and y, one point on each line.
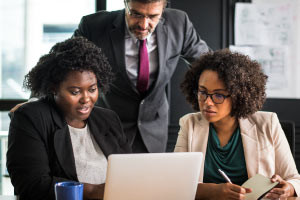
68	191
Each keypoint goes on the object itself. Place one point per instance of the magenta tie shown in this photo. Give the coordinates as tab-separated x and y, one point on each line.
143	73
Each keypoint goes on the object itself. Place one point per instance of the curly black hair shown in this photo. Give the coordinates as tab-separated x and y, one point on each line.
243	78
75	54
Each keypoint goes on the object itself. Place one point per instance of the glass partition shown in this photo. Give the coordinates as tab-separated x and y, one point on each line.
114	5
31	28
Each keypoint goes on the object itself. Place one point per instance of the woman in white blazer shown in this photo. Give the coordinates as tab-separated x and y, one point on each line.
229	90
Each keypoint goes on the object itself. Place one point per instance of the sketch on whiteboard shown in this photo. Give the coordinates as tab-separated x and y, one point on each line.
264	24
274	61
268	32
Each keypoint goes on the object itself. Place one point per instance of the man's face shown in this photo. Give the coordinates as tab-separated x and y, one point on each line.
142	18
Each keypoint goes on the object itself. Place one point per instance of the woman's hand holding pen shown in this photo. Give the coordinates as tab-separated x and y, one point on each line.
226	191
221	191
283	190
231	191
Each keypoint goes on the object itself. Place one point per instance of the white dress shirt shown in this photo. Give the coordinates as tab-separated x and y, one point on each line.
132	56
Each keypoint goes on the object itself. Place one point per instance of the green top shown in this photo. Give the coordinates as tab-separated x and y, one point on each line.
229	158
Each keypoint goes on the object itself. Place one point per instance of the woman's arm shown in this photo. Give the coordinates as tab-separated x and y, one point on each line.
27	156
182	139
285	168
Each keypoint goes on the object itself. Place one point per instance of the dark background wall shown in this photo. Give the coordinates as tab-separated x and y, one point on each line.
214	21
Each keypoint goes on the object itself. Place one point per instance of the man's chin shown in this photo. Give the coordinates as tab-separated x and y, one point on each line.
141	36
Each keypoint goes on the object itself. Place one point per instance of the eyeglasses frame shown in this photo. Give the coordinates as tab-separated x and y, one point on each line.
139	16
197	93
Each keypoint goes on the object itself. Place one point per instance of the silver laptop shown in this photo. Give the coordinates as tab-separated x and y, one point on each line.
153	176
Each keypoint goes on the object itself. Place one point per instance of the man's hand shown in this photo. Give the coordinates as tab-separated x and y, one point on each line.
17	106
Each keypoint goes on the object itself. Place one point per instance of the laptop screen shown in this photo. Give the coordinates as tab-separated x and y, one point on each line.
153	176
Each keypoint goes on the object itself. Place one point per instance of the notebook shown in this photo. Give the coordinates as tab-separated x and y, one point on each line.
153	176
260	186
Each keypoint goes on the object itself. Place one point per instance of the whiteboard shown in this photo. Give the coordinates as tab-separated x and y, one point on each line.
267	31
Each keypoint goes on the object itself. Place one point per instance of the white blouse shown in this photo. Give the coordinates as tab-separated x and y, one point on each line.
90	162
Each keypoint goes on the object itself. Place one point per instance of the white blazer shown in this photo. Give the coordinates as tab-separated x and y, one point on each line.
266	148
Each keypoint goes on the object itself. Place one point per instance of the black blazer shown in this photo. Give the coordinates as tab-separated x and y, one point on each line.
40	151
148	114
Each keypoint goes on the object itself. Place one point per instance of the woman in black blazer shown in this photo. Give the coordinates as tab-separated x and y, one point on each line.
43	144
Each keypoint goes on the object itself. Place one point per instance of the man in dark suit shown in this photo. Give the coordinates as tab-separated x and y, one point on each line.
137	95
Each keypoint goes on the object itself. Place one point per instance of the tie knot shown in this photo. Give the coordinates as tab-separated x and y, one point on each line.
143	42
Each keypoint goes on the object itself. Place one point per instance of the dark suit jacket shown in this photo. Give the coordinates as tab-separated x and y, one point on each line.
40	150
176	37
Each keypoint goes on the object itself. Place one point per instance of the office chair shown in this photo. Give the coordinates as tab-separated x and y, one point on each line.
289	130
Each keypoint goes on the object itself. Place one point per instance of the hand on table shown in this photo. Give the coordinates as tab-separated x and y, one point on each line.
93	191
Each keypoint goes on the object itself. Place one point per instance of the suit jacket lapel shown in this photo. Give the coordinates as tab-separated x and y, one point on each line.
117	35
99	131
200	139
162	43
63	147
251	146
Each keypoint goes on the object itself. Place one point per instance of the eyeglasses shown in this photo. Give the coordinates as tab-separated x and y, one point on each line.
215	97
139	16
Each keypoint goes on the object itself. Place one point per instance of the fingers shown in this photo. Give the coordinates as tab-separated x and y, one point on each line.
276	178
238	192
275	195
232	191
248	190
16	107
278	191
238	189
282	190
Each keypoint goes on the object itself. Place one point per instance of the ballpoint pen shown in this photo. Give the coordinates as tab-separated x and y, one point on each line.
224	176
